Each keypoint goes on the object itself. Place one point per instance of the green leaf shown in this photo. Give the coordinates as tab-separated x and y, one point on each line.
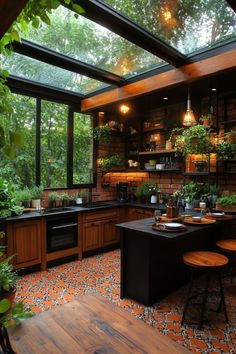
15	36
18	308
5	304
78	8
35	22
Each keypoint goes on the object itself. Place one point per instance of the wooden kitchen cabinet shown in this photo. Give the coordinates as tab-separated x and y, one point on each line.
99	229
24	241
138	213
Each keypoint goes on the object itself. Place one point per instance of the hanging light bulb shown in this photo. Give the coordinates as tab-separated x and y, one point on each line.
189	118
124	109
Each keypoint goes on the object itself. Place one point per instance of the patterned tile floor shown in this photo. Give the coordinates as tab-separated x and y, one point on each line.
43	290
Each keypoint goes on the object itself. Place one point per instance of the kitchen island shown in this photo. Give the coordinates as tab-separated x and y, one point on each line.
151	261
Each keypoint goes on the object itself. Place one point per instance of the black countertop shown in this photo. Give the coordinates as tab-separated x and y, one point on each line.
78	209
145	226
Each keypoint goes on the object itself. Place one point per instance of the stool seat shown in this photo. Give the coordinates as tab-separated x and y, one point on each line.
228	245
204	259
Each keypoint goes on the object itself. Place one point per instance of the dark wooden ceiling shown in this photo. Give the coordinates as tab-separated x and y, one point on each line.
9	10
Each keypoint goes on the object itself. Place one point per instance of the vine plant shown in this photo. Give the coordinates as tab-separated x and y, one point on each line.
35	12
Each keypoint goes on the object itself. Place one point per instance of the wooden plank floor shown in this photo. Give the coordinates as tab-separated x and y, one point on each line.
90	325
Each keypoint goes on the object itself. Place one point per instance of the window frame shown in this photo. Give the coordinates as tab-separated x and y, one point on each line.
72	108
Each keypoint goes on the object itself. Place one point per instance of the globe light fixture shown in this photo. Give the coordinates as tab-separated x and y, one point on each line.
124	109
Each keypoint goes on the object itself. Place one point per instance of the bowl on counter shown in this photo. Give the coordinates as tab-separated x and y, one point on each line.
197	218
160	166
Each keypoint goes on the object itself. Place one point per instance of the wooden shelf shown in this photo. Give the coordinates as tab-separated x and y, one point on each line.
166	170
233	121
156	152
198	173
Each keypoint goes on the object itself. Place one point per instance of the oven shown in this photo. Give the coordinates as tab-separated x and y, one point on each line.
62	232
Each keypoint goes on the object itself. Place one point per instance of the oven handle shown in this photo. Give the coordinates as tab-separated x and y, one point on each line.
63	226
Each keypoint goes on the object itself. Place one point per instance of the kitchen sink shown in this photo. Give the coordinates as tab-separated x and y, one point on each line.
56	210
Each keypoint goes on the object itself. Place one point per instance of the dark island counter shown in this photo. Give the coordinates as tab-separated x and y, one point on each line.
151	261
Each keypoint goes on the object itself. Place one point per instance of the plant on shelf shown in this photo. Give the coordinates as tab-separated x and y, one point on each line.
102	133
36	194
206	120
52	199
9	205
109	161
194	140
225	150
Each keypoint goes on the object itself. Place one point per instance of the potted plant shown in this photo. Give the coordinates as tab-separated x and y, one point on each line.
82	195
194	140
206	120
227	203
36	193
24	196
145	191
52	199
110	161
191	191
65	198
72	199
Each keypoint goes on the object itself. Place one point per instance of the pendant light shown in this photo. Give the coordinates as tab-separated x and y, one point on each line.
189	118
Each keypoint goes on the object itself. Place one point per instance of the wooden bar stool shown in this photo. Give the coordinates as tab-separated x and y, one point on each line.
210	262
229	246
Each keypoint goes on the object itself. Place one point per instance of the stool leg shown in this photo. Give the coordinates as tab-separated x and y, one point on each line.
187	298
204	300
222	302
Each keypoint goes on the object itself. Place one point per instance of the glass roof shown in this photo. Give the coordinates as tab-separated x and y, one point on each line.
185	25
83	39
44	73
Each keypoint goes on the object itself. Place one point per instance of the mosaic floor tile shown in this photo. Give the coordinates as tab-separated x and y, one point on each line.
101	274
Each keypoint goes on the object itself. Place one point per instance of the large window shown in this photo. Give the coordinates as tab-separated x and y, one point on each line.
50	138
82	149
21	168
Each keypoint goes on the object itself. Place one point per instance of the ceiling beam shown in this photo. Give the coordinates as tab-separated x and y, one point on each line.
119	24
9	11
36	89
185	74
232	4
46	55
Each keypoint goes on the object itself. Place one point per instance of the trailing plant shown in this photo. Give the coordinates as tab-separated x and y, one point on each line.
192	190
102	133
194	140
226	150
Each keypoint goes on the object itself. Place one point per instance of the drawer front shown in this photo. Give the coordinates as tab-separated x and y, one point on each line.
100	215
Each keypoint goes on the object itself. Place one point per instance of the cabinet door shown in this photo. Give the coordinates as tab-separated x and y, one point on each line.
25	240
91	236
110	234
138	214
